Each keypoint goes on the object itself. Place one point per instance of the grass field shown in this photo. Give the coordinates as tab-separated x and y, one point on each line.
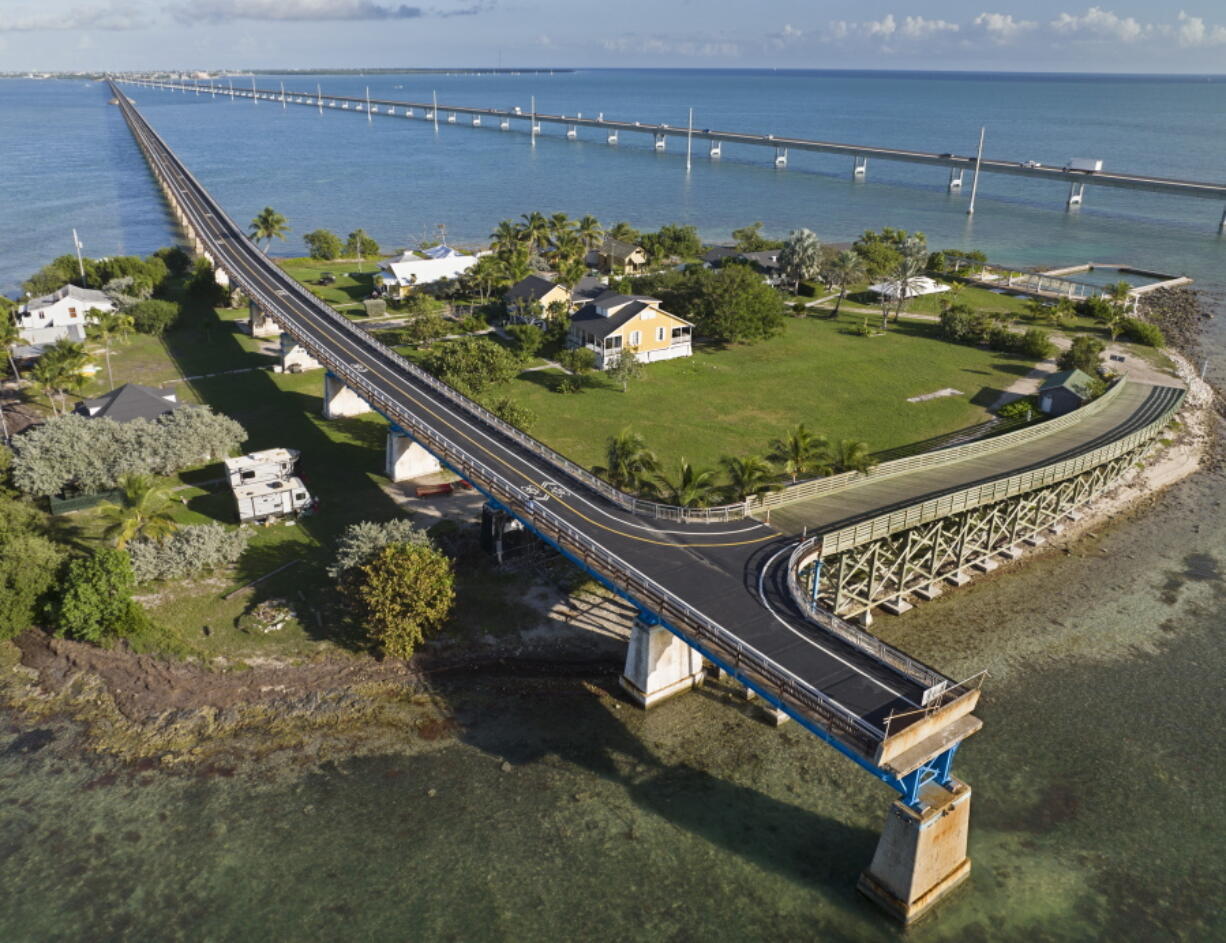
734	401
350	287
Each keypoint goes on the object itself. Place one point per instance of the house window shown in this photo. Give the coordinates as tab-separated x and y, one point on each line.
247	475
659	334
613	343
635	338
682	331
72	312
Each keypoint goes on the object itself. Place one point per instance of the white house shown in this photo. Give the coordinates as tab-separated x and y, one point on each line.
61	314
410	269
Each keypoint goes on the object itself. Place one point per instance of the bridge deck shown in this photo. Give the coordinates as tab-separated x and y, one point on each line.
1137	404
726	576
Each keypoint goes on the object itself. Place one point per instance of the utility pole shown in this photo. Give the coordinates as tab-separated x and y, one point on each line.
80	262
283	105
689	140
319	98
435	112
532	119
255	98
970	210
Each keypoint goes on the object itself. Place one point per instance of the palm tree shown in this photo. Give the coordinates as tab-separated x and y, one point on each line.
1063	310
103	328
802	452
505	238
843	271
1119	294
10	337
914	257
516	266
801	257
623	232
853	455
589	231
692	488
269	225
571	272
630	462
560	223
1037	309
62	368
145	512
46	376
567	247
749	476
534	230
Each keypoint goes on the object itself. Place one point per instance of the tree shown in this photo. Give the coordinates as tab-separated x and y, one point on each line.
505	238
145	512
516	265
739	307
579	361
1085	354
96	601
58	273
29	566
61	368
527	339
323	244
506	409
749	238
852	455
269	225
913	256
1035	343
626	367
10	337
624	232
800	259
103	327
841	272
191	549
472	364
629	463
802	452
589	231
189	435
154	316
405	593
485	276
560	224
691	488
881	251
673	241
748	477
359	543
1119	293
361	246
178	261
534	231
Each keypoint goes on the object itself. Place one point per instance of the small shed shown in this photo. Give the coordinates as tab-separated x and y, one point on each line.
1065	391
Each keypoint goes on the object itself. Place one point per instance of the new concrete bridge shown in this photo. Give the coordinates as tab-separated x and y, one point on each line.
958	165
721	583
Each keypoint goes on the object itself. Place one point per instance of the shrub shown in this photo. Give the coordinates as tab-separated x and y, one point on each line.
1024	408
359	543
510	411
527	339
1143	332
177	260
1035	344
29	564
154	316
807	290
193	548
403	593
1085	355
96	602
472	364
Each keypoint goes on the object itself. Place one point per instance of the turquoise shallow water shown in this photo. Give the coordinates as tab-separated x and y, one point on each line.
1098	777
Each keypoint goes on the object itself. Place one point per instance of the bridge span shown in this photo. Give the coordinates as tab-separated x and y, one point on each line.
718	584
958	165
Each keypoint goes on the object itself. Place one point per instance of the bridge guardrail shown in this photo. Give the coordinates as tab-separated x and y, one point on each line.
851	729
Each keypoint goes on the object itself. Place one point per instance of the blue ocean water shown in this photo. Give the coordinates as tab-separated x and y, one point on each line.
69	162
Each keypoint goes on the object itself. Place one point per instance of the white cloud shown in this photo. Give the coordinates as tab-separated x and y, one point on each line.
1002	28
98	16
1192	31
1097	23
916	27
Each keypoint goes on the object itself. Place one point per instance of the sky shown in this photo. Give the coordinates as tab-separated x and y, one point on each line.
1000	35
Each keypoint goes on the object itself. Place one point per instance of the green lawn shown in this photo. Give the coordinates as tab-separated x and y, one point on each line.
351	286
734	401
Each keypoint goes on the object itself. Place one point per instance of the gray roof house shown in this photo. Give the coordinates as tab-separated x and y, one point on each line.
128	402
63	313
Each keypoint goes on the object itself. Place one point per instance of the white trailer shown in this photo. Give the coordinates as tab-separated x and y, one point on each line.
269	500
1085	165
257	467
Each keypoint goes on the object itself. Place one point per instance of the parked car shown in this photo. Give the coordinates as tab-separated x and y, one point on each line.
1032	164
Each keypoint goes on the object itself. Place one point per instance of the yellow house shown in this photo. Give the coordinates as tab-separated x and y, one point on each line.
618	258
614	322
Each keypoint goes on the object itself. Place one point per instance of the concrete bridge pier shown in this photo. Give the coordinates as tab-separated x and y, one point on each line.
715	149
921	856
259	323
859	169
658	663
504	124
955	180
659	138
476	121
1075	193
612	138
451	118
781	157
294	357
1221	226
340	401
572	132
404	459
